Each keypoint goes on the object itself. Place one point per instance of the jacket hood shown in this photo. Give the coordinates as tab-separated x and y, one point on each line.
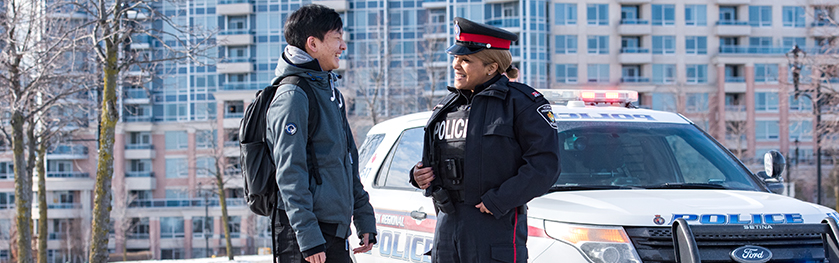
296	61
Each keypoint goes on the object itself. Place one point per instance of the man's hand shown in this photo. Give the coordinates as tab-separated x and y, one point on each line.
367	246
317	258
423	176
483	208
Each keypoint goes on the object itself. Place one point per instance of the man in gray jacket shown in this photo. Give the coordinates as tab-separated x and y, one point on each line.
313	220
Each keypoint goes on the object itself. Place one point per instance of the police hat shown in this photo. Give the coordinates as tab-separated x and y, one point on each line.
472	37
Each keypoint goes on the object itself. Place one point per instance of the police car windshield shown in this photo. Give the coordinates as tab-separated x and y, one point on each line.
609	155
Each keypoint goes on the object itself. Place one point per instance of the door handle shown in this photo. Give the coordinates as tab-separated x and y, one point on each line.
418	215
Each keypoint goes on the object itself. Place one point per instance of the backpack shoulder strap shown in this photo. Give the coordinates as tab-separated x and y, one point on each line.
314	119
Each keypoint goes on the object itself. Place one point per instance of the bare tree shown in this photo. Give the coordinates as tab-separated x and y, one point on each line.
108	34
32	66
431	49
367	74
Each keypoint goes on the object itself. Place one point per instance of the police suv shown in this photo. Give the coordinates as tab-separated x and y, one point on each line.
636	185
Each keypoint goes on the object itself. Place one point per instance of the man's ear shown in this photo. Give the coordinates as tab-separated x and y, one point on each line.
311	44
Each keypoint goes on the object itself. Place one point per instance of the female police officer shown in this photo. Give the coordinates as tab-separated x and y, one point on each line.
490	147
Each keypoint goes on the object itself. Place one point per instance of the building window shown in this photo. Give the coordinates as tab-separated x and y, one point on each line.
789	42
176	168
171	227
803	103
761	45
767	130
237	23
598	73
566	73
631	73
793	16
598	44
234	224
766	101
664	15
766	73
139	140
7	171
696	102
139	228
696	15
664	44
760	16
7	200
202	226
728	15
664	102
664	73
566	14
5	229
205	139
597	14
696	45
801	130
172	253
566	44
697	73
176	140
822	16
205	166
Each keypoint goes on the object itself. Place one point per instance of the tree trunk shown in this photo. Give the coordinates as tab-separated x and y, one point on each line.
23	192
40	166
105	167
224	220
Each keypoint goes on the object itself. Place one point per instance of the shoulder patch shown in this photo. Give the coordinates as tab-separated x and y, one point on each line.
536	94
291	129
547	114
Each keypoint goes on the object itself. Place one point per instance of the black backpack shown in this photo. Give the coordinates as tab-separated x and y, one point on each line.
258	167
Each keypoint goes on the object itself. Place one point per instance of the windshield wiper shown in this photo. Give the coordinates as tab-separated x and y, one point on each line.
685	186
559	188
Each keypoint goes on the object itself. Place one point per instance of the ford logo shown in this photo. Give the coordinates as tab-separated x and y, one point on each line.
751	254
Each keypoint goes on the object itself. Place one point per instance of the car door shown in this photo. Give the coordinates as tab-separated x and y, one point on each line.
405	218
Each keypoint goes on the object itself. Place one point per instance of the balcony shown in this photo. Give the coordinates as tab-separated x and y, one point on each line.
634	1
135	118
194	202
234	115
139	151
135	96
140	181
235	66
769	50
234	8
339	5
733	28
823	29
635	55
634	27
634	79
733	79
243	86
233	172
734	2
231	144
67	175
235	38
68	152
504	22
64	206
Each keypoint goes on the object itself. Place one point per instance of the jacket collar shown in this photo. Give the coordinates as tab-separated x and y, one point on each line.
496	87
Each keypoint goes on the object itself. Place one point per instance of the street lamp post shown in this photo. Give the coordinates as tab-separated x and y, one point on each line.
794	56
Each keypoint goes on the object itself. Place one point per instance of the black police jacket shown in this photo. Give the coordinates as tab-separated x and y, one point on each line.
511	153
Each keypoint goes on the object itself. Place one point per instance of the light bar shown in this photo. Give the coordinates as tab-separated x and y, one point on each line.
591	97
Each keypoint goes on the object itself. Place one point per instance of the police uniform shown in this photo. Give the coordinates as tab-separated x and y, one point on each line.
497	145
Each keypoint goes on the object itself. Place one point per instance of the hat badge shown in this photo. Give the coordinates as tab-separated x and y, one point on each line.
456	29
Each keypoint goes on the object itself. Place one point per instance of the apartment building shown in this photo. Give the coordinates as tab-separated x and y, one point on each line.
721	63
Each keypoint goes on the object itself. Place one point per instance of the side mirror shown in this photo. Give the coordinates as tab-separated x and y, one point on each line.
773	164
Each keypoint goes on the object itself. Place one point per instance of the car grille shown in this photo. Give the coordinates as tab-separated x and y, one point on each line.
800	244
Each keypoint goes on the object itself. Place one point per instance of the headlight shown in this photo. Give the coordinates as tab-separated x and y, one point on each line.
601	244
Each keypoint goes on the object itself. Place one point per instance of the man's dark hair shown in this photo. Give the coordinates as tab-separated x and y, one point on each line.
310	20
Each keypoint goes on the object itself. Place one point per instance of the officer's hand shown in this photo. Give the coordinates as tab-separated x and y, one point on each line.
423	175
483	208
317	258
367	246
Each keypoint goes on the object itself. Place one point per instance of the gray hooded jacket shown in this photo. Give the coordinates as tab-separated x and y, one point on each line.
341	198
